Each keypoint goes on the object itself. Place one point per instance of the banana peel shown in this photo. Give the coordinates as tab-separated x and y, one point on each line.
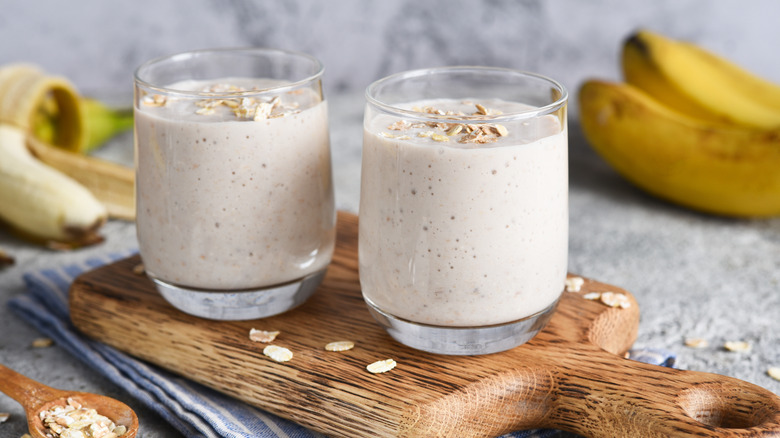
29	97
716	168
112	184
701	84
103	123
52	109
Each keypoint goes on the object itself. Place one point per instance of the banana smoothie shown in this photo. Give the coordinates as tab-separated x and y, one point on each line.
463	224
233	192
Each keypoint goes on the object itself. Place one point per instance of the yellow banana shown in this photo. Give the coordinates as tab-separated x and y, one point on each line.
720	169
40	201
693	81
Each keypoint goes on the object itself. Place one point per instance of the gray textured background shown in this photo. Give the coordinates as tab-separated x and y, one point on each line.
693	274
98	43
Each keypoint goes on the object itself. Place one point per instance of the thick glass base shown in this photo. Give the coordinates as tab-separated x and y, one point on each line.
462	340
242	304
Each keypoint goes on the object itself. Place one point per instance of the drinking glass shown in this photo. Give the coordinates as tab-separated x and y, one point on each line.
463	231
234	194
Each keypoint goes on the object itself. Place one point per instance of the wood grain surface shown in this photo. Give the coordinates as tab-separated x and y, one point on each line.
572	376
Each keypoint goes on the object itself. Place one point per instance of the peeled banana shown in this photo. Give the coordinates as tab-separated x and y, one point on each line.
693	81
40	201
723	169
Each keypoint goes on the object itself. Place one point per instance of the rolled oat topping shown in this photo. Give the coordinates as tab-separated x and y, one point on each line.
244	108
466	132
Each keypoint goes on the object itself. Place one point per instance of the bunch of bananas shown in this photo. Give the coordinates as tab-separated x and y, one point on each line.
50	190
689	127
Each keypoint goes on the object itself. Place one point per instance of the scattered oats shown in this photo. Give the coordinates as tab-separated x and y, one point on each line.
574	284
613	299
439	137
381	366
592	296
387	135
263	336
404	137
774	372
425	134
4	416
481	109
42	343
696	343
279	354
455	130
139	269
501	130
736	346
339	346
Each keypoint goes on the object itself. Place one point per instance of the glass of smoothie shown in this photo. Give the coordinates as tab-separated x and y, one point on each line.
463	235
234	194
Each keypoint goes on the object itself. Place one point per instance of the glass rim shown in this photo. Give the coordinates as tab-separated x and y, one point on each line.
504	117
320	69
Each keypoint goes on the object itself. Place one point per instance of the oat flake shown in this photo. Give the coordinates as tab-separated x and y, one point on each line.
592	296
774	372
381	366
42	343
263	336
279	354
613	299
736	346
574	284
339	346
696	343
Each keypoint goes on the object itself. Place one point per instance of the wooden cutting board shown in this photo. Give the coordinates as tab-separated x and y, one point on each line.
572	376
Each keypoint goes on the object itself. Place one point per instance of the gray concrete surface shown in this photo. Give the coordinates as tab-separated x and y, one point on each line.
694	275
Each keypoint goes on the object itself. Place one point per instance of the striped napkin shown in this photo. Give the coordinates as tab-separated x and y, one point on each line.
193	409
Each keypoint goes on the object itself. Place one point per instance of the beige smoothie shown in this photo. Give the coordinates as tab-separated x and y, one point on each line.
463	224
236	192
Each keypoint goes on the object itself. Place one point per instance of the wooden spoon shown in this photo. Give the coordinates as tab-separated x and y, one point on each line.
36	397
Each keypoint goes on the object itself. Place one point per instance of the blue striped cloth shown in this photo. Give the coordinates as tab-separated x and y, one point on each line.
193	409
